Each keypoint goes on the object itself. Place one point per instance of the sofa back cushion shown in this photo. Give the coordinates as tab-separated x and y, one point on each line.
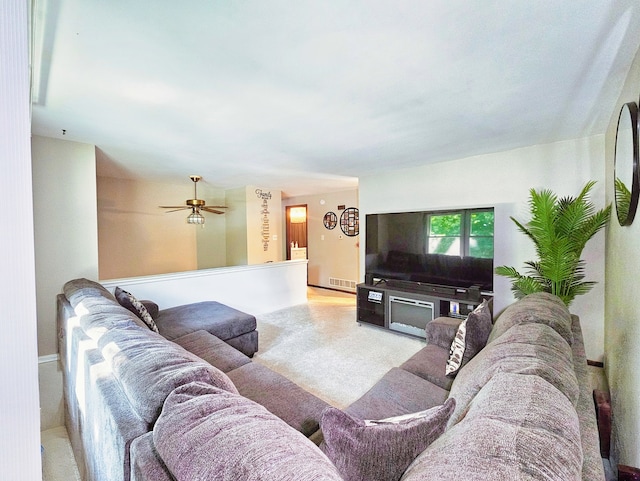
148	367
537	308
534	349
96	309
518	427
78	290
207	433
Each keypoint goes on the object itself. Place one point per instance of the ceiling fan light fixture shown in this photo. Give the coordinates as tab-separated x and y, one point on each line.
195	218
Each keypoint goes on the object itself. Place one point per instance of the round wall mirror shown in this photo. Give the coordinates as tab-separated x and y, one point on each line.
626	164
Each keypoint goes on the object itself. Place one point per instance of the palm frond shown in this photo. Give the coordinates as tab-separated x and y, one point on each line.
623	200
559	229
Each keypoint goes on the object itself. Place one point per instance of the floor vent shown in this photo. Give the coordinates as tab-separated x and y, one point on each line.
342	283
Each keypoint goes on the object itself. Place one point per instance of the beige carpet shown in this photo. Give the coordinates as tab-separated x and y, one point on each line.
58	463
318	345
321	347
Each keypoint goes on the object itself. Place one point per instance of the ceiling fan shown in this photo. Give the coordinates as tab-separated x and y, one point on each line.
196	205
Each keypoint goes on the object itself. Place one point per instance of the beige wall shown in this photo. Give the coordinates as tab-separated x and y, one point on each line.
264	224
622	314
135	237
65	225
331	253
245	242
236	232
503	180
211	240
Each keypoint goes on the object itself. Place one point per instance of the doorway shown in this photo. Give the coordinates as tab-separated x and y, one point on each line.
296	216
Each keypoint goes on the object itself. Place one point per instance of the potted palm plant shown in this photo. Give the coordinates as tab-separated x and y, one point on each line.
559	228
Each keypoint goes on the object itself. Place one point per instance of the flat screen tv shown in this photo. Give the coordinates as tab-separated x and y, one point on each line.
451	248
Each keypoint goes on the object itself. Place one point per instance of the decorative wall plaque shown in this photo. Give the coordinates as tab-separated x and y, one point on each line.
349	222
330	220
264	212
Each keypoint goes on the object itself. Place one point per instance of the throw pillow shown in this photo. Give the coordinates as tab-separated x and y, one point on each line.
128	300
380	450
471	337
479	325
456	353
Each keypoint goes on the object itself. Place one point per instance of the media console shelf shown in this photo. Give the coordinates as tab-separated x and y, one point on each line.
407	307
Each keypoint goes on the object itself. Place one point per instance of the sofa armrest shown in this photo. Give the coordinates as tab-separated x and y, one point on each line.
441	331
152	307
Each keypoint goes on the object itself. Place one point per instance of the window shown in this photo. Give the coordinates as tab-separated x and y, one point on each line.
461	233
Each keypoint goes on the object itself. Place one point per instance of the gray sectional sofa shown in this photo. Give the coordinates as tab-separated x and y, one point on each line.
142	407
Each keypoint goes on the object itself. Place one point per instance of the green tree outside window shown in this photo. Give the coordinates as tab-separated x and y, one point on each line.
444	234
481	234
461	233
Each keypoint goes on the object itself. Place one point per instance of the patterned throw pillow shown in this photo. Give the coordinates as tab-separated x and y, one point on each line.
128	300
380	450
454	363
471	337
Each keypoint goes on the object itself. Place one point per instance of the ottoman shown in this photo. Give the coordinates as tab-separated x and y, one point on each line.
235	327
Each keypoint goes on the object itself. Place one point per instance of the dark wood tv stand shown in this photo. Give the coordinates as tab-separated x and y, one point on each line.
406	307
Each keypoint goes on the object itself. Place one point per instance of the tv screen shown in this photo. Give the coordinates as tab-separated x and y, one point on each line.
451	248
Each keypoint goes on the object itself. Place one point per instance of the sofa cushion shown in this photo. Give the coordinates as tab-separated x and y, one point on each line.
428	363
229	437
213	350
534	349
78	290
398	392
148	367
129	301
380	450
518	427
105	316
146	464
95	308
541	308
297	407
222	321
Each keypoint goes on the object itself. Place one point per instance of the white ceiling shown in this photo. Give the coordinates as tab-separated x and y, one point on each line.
304	96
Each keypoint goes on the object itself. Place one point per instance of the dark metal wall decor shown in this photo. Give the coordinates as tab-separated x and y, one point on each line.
265	196
330	220
349	222
627	184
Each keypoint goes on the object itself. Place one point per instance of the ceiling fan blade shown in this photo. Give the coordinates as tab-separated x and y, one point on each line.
212	210
218	206
174	208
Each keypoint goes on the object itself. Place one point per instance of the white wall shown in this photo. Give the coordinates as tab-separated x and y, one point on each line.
65	224
19	417
331	253
622	317
254	289
503	180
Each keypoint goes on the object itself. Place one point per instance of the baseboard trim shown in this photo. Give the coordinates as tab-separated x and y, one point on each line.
48	358
331	289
